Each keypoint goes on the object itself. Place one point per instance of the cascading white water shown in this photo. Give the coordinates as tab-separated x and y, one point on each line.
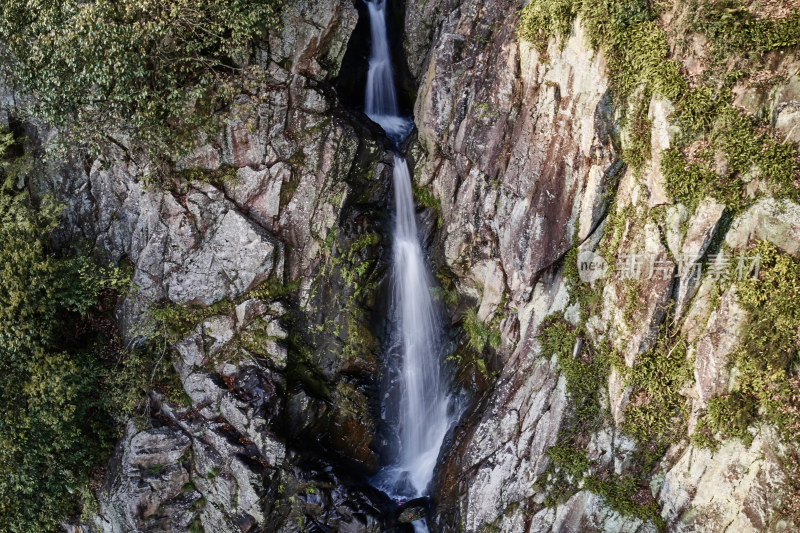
424	400
380	100
421	402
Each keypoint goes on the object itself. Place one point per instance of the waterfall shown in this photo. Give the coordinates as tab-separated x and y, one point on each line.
380	100
420	402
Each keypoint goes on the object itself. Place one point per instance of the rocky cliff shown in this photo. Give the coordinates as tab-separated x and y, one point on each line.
552	138
619	396
267	249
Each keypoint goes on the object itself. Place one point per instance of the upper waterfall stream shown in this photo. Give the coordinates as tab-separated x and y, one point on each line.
418	402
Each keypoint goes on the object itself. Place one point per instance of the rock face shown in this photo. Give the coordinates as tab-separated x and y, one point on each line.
513	168
277	229
523	149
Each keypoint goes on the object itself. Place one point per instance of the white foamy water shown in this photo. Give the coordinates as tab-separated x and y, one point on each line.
380	99
419	403
423	400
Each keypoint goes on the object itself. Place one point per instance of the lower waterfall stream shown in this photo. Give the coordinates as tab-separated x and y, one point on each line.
419	403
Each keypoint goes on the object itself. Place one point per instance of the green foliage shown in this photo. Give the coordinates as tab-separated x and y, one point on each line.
626	495
730	415
638	56
656	413
137	68
479	334
469	357
568	466
172	322
586	371
225	175
703	437
686	182
699	107
766	384
56	424
636	151
424	197
771	335
572	461
587	296
747	148
541	19
446	291
196	526
14	162
585	374
734	30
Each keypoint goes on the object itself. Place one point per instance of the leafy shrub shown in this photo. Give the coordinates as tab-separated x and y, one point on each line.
144	68
55	423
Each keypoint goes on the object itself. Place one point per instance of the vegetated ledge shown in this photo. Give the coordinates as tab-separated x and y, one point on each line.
719	151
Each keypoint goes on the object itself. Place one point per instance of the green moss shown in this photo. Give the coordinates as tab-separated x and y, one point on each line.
686	182
469	357
698	108
175	321
636	151
703	436
633	299
747	147
541	19
155	470
424	197
628	496
196	526
585	374
766	382
288	188
359	343
734	30
447	287
199	504
572	461
656	413
566	470
730	415
638	55
616	223
223	175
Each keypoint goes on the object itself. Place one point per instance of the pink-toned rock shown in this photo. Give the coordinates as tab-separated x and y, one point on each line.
719	339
